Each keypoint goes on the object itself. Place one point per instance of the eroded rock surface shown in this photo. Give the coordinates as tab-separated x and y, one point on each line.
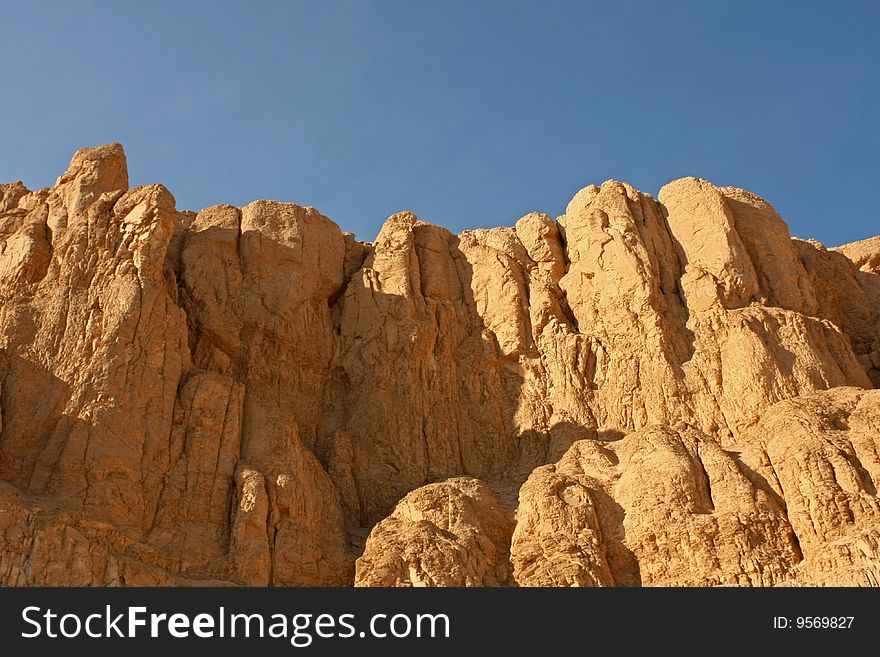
454	533
683	392
794	503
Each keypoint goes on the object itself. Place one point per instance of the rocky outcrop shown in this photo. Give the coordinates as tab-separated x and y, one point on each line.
795	503
661	506
820	455
237	396
864	253
453	533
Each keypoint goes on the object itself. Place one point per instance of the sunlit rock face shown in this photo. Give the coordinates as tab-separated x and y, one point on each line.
642	391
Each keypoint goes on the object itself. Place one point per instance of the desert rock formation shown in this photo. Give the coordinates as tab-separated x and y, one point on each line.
643	391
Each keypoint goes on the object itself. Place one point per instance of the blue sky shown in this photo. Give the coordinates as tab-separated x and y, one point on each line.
467	113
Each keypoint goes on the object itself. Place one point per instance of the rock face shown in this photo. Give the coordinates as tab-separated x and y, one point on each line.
865	254
453	533
641	392
793	503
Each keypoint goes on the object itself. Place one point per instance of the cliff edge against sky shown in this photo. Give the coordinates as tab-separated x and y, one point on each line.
641	392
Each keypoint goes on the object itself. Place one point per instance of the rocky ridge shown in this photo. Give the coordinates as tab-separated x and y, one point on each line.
644	391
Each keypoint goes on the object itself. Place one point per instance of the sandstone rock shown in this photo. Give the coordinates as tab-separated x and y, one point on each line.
237	395
661	506
256	283
416	393
864	253
453	533
849	298
795	504
822	454
558	541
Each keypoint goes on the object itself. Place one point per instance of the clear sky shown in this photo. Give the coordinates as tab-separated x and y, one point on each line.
467	113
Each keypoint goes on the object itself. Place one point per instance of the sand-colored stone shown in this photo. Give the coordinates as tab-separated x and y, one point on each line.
240	395
823	453
660	506
453	533
864	253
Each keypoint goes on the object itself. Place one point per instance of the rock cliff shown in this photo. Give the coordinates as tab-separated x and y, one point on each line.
643	391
